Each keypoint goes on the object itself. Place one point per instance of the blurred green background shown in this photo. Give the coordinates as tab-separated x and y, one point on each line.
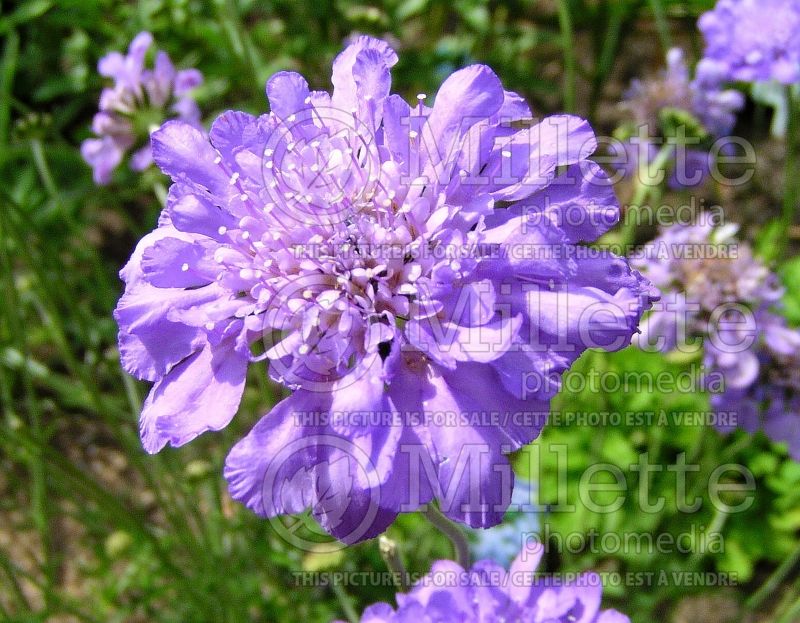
93	529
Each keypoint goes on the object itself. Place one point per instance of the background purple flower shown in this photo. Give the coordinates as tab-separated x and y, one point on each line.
488	593
410	273
727	304
700	102
753	40
138	102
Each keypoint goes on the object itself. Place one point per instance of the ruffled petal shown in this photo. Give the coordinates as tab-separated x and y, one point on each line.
199	394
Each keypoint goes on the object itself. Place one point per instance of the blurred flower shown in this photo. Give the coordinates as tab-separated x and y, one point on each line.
659	106
714	290
411	274
140	100
488	593
502	543
753	40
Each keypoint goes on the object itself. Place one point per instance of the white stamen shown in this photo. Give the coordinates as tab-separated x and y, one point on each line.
222	230
184	267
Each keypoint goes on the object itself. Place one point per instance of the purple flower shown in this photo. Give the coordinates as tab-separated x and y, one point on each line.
411	275
700	101
753	40
488	593
764	392
138	103
718	297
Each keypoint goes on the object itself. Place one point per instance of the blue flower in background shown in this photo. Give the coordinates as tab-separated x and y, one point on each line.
502	543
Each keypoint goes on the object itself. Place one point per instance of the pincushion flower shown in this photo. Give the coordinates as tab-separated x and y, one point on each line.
753	40
488	593
717	296
657	105
410	273
138	102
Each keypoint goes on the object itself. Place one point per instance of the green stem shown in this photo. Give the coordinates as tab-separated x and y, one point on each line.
160	192
770	586
792	614
391	556
611	40
643	192
661	24
345	602
39	494
43	169
570	61
715	527
451	531
791	196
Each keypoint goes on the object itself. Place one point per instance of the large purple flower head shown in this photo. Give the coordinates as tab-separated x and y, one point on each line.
410	273
717	296
138	102
753	40
488	593
656	105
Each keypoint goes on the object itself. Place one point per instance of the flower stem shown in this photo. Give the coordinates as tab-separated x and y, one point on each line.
791	195
792	614
770	586
451	531
344	601
643	192
568	47
160	191
661	24
391	556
